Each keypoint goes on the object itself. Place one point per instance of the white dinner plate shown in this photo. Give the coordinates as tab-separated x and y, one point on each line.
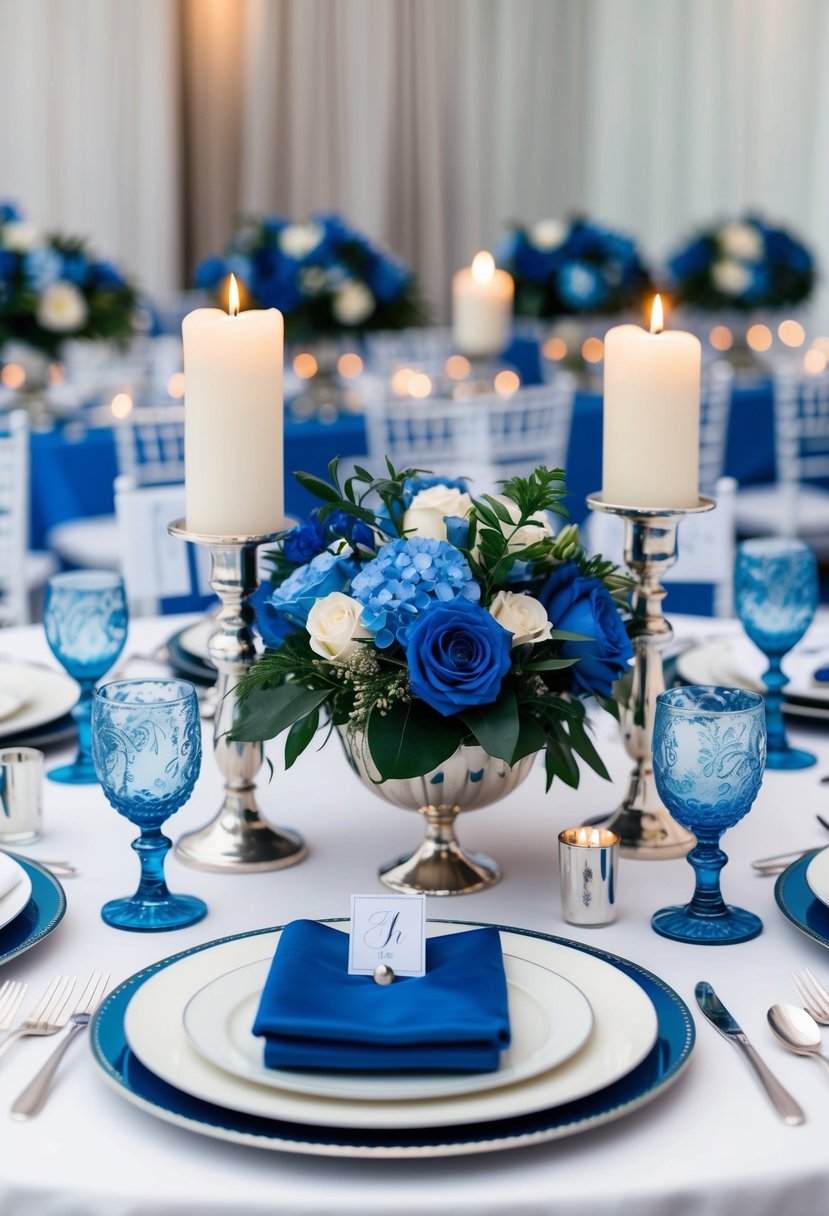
10	702
44	695
549	1021
817	876
196	638
17	885
624	1030
738	663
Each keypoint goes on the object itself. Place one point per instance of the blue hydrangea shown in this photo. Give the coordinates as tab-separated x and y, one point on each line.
581	285
405	578
44	266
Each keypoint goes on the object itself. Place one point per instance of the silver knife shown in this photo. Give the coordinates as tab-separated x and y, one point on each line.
719	1017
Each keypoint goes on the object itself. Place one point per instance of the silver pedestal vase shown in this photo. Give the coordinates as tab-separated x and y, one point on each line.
469	779
237	840
646	828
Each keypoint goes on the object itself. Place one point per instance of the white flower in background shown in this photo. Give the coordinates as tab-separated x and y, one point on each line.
530	534
334	626
548	234
62	308
312	280
298	240
523	616
20	236
353	303
741	241
730	277
428	508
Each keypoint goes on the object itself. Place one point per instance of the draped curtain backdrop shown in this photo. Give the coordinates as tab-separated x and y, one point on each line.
150	124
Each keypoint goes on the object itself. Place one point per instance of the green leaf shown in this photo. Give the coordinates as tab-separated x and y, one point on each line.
266	712
496	726
409	740
318	487
500	510
583	746
561	635
549	664
560	763
531	738
333	467
300	735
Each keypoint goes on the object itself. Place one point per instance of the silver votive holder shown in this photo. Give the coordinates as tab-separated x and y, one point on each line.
21	794
588	863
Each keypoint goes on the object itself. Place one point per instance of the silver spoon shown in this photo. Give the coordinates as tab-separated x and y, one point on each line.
797	1030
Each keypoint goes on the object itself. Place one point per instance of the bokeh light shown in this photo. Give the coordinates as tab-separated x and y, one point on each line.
305	365
121	405
721	337
420	385
791	333
592	350
554	349
814	361
13	376
349	365
175	386
507	382
458	368
759	337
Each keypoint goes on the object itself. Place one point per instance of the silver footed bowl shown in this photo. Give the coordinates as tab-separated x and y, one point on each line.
469	779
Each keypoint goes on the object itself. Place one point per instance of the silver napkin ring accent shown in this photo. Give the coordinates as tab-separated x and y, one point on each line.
383	975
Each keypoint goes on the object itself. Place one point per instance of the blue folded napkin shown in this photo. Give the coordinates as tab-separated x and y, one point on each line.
313	1014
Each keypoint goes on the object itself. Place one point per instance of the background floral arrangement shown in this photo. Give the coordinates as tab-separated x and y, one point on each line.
437	619
571	267
742	264
323	276
52	288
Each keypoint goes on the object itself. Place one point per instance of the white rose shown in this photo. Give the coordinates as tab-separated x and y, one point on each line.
312	280
530	534
428	508
353	303
334	625
523	616
62	308
741	241
732	278
298	240
20	236
548	234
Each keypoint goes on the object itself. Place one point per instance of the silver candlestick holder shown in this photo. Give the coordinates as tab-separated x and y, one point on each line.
237	840
644	824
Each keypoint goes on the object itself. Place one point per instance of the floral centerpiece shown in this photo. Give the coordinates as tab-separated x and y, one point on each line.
52	288
574	268
744	264
448	638
324	276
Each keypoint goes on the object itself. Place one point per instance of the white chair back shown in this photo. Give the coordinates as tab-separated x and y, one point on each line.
14	508
801	430
149	445
715	407
155	565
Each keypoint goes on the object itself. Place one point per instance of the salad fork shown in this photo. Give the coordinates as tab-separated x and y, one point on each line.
49	1015
812	993
31	1100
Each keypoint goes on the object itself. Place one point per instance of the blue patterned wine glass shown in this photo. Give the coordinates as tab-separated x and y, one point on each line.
776	592
146	744
85	617
709	749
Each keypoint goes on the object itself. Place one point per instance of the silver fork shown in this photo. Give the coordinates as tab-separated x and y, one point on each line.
11	995
31	1100
812	993
49	1015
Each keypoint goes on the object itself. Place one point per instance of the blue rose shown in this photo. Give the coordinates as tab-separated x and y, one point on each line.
210	273
584	605
340	525
272	626
75	268
387	277
692	259
458	655
325	573
104	274
304	542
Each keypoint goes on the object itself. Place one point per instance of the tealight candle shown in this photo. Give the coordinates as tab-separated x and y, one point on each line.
482	307
588	862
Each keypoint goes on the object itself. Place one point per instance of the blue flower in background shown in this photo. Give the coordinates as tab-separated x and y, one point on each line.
43	266
584	605
75	268
8	263
760	283
241	266
405	579
581	285
458	655
304	542
210	273
9	212
781	247
387	277
104	274
691	260
323	574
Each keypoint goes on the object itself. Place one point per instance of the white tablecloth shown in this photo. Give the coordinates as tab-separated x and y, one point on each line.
709	1145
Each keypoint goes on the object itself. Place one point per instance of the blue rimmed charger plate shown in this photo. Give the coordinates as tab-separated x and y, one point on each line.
797	902
42	914
137	1083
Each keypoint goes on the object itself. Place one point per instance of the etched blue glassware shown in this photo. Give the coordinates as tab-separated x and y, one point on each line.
85	618
146	744
709	749
776	593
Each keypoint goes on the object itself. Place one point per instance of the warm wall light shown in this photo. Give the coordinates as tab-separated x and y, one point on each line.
592	350
759	337
657	316
458	368
349	365
554	349
13	376
483	267
121	405
506	383
721	337
305	365
791	333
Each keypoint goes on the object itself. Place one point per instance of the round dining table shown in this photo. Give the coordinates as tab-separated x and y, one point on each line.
710	1145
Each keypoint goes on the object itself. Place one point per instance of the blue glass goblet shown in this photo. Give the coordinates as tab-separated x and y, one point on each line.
85	617
776	592
146	744
709	748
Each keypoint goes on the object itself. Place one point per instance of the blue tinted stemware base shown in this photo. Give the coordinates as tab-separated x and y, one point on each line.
789	758
79	772
681	924
154	915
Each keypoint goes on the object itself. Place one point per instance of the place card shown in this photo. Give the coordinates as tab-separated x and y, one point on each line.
388	929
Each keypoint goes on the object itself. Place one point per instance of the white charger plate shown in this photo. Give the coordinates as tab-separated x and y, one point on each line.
195	640
737	663
16	898
817	876
45	695
550	1019
624	1031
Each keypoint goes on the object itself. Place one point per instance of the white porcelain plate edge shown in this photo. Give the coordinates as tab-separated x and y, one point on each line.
15	900
817	876
46	695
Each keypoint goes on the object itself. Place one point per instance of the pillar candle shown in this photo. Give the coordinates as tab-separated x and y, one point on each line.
481	307
234	481
651	416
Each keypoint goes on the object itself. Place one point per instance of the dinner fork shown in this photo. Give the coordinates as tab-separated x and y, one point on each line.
31	1100
49	1015
11	995
812	993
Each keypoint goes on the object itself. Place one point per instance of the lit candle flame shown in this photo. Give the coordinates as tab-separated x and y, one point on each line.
233	297
657	320
483	267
